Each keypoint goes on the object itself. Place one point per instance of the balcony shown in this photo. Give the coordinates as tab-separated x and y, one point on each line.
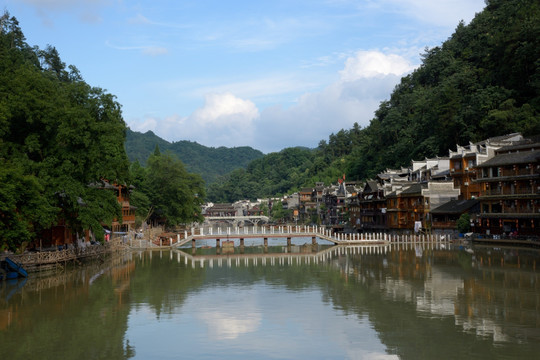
443	224
509	174
517	172
510	192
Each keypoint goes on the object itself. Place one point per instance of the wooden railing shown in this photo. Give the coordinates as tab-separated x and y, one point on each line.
60	256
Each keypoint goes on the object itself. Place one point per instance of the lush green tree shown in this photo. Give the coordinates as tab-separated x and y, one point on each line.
278	213
174	194
464	223
59	138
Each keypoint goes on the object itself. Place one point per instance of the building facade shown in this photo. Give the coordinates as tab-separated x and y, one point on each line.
510	191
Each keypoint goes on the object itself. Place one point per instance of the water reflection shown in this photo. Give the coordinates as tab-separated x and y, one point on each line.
405	301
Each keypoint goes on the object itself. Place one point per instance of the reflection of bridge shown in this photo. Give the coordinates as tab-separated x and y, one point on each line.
237	220
282	259
279	258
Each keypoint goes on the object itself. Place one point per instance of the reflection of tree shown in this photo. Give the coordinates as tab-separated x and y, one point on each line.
405	296
78	318
163	285
433	304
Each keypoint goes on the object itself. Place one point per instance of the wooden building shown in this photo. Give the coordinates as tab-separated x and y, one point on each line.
405	208
372	204
510	191
464	160
444	217
127	222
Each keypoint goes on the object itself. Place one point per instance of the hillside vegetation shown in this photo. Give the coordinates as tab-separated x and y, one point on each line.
59	137
62	143
483	81
209	162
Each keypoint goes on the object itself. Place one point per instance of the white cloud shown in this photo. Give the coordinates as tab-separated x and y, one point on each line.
225	119
149	123
262	88
223	326
368	78
368	64
225	110
144	49
154	50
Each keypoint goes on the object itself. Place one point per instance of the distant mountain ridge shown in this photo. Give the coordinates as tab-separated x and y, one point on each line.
209	162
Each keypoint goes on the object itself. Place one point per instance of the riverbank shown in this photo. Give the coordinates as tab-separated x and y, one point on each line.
40	260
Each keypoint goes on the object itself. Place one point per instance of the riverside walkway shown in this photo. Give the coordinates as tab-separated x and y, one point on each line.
289	232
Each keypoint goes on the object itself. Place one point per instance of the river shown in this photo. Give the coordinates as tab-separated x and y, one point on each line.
407	301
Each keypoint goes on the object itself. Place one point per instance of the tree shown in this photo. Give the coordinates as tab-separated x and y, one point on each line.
464	223
59	138
279	213
175	195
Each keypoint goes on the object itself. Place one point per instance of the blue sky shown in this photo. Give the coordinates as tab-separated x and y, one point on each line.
266	74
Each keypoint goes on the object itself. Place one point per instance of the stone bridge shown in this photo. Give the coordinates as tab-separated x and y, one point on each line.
237	220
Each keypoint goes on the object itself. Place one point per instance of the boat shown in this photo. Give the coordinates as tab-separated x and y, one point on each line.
16	267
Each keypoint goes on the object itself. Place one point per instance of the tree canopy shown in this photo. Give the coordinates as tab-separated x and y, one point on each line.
165	192
59	137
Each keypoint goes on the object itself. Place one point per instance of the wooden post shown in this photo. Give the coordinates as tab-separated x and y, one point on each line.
288	241
314	240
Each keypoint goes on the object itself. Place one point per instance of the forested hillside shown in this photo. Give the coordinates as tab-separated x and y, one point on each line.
209	162
483	81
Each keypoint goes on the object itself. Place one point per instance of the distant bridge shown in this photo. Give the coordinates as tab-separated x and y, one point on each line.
288	231
237	220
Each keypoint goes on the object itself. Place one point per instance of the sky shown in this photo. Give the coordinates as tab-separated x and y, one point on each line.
266	74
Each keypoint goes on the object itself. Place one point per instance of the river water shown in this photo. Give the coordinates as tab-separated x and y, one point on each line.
407	301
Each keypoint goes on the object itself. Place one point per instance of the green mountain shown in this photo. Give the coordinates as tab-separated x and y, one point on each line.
209	162
483	81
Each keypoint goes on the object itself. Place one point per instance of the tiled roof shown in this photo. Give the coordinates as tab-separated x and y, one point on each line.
413	189
455	207
523	157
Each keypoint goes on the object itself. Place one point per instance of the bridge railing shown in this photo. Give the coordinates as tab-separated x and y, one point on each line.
286	230
306	230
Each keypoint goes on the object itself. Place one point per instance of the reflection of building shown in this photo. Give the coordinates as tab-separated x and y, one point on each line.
458	296
440	292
